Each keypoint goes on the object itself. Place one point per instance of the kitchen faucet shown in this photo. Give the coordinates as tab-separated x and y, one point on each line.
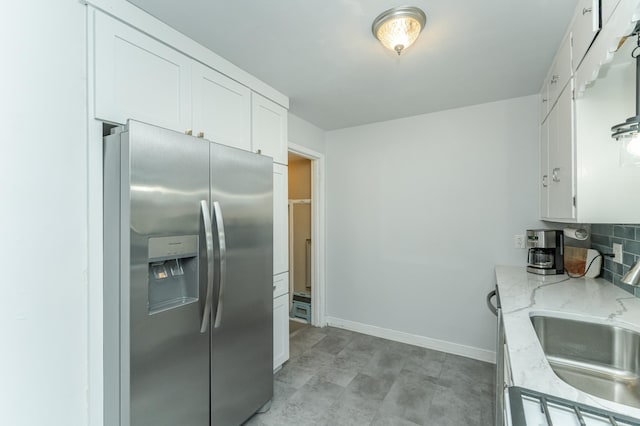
633	276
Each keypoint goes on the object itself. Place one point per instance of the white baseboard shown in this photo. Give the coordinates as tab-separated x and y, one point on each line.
414	339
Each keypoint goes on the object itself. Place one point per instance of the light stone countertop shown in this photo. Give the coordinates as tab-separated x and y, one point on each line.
595	300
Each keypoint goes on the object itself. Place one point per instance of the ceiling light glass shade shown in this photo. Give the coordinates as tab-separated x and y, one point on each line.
398	28
630	151
628	129
631	127
633	145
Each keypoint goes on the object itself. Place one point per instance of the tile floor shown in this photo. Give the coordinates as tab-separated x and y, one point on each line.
337	377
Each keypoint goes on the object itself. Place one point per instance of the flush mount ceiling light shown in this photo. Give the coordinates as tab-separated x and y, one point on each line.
399	27
629	131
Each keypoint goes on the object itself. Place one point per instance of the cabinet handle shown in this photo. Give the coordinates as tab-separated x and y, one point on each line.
259	151
544	100
554	79
201	135
545	178
556	178
188	132
587	10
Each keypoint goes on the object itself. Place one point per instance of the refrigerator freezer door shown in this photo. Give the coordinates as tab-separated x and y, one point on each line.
169	356
242	338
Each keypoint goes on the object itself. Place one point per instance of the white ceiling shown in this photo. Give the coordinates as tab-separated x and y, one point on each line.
323	56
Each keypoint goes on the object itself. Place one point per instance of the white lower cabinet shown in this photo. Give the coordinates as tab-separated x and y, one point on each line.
280	330
280	284
280	219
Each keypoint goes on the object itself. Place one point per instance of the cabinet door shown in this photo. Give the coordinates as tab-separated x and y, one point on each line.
138	77
221	108
544	101
561	187
606	9
585	28
280	284
560	71
280	330
269	128
544	169
280	219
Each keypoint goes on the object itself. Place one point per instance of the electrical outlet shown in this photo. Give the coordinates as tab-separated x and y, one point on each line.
617	253
518	241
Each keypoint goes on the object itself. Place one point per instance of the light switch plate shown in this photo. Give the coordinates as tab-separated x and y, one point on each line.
617	253
518	241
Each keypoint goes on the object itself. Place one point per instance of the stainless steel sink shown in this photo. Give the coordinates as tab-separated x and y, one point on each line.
602	360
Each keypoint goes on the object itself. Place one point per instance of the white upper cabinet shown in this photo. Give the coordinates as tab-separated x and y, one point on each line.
560	71
588	175
557	172
559	75
221	108
544	102
561	175
544	169
608	175
269	128
606	9
138	77
585	27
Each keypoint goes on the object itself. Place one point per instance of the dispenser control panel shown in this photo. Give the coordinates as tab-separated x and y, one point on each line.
178	246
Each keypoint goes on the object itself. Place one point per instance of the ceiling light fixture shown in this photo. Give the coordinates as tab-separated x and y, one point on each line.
399	27
629	131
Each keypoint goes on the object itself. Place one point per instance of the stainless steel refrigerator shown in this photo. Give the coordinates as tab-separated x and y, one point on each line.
188	267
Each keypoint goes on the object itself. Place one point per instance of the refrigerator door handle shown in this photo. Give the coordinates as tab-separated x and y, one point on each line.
208	235
222	266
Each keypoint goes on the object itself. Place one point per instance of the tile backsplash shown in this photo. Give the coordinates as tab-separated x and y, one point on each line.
602	239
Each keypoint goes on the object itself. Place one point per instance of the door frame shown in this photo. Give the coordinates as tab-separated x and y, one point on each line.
318	271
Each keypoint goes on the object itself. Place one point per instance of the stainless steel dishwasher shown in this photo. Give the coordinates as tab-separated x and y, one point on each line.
500	386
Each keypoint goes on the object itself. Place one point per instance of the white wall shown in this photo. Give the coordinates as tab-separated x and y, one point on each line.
43	219
303	133
419	210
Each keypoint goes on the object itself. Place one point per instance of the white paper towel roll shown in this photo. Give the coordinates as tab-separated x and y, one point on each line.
596	266
577	234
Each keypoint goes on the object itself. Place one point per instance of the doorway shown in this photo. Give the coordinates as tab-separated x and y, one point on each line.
306	238
300	259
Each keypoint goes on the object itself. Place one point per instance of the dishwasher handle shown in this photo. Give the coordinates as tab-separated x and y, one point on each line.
491	306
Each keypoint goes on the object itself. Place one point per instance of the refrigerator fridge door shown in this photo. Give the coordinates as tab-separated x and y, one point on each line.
242	330
164	356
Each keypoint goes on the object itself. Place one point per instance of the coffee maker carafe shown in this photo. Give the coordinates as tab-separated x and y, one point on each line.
546	252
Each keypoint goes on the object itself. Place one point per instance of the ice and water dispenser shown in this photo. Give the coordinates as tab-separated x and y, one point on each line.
173	272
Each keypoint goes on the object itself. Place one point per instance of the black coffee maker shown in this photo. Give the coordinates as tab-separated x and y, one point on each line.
546	251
